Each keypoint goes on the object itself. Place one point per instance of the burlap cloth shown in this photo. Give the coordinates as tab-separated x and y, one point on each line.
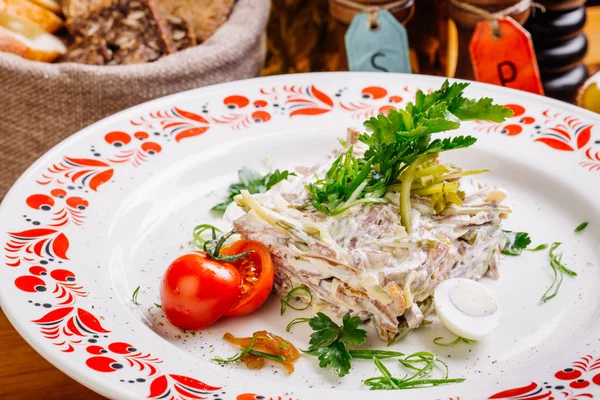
41	104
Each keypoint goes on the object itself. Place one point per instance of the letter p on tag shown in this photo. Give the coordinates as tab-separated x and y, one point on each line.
508	60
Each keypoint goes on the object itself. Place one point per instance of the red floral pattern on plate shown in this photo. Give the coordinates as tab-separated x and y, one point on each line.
90	173
571	383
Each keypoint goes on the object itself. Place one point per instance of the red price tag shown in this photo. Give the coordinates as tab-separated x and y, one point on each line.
507	59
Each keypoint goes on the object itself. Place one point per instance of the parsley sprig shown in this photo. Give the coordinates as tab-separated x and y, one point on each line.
329	341
253	182
516	242
397	141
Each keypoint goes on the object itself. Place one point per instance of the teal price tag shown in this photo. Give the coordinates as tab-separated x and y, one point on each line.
384	49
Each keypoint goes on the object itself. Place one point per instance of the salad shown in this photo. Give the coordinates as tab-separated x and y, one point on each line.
380	232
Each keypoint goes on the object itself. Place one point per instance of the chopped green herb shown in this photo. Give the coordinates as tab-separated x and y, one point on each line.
268	356
558	270
294	322
253	182
581	226
516	242
369	354
423	363
285	303
135	295
539	247
395	143
437	341
157	305
329	341
199	230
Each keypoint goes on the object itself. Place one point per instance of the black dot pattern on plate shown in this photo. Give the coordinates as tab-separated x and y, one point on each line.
47	305
92	340
36	304
140	380
43	262
559	387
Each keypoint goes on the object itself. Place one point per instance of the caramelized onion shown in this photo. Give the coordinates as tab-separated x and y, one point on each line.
267	343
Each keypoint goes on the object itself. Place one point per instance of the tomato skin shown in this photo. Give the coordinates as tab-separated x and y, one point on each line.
196	291
259	292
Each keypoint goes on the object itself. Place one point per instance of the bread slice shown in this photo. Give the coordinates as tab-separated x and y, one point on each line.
28	40
119	32
74	9
25	9
51	5
203	16
181	32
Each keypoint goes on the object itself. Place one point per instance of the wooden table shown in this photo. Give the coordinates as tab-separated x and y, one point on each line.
24	374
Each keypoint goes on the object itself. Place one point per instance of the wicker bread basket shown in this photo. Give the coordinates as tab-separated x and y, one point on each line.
44	103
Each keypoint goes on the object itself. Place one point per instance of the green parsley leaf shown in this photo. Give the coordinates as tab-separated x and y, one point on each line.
326	331
335	355
516	242
253	182
350	333
329	341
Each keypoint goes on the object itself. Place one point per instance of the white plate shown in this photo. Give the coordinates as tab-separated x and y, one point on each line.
90	221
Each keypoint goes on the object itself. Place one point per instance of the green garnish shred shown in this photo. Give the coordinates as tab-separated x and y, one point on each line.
438	341
422	363
559	270
254	183
581	226
294	322
285	302
134	296
199	231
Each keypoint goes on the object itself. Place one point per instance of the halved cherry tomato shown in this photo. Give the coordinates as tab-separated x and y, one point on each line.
256	270
196	291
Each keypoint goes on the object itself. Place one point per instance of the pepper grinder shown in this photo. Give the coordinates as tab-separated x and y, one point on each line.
465	24
560	46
